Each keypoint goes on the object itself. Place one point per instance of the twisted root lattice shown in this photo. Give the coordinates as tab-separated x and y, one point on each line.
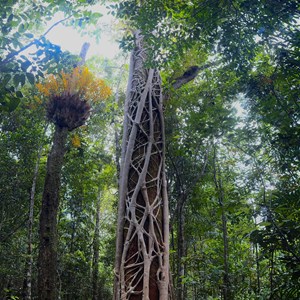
143	269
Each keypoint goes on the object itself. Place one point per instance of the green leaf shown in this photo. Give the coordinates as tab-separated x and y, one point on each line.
3	106
13	104
41	74
5	30
17	79
6	79
265	224
25	65
9	19
39	52
19	94
30	78
12	89
21	28
29	35
23	79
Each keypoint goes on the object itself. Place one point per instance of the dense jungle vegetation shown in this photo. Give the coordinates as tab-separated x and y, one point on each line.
191	192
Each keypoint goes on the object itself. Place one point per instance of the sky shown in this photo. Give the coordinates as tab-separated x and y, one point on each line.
70	39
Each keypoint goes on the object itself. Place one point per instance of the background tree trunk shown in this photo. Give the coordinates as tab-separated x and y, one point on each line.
96	244
142	254
226	288
257	269
226	280
47	259
181	248
27	284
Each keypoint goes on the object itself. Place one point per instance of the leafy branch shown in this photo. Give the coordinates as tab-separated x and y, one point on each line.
34	42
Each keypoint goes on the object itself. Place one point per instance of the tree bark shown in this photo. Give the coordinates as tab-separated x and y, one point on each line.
226	289
142	250
226	280
117	132
257	269
183	188
26	294
271	272
27	284
181	248
96	243
47	259
142	247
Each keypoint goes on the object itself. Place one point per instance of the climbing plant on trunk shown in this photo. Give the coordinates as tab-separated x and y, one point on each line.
142	256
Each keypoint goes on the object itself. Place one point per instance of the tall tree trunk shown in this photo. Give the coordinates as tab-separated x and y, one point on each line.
256	252
114	121
142	250
183	191
181	248
226	281
257	269
271	272
28	264
27	284
96	243
226	289
47	259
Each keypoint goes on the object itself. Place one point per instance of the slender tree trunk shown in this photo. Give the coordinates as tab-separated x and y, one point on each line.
96	243
226	289
172	267
257	269
226	281
142	250
69	273
114	121
183	191
27	284
47	259
181	250
73	234
271	273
